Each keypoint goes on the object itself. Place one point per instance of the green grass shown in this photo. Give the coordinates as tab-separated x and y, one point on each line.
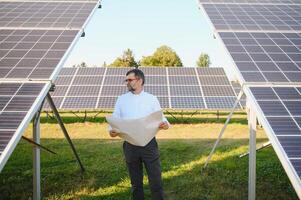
183	149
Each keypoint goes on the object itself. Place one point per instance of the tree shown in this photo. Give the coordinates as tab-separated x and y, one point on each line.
126	60
204	60
164	56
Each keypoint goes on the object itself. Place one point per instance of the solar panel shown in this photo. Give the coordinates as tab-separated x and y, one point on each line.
18	103
88	71
79	103
236	86
157	90
33	54
254	17
214	80
156	80
106	102
281	111
181	71
187	103
220	102
114	80
87	80
165	83
252	1
218	91
83	91
153	71
185	91
45	14
206	71
274	57
263	39
183	80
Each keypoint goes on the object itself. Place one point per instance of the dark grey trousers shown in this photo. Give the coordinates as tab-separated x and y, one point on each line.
148	155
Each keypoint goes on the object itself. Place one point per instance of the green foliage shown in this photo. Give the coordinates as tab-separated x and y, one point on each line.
164	56
126	60
203	61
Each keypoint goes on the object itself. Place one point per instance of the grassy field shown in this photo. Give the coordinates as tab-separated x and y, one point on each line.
183	149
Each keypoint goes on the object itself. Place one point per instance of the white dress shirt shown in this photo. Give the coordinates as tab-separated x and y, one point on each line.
133	106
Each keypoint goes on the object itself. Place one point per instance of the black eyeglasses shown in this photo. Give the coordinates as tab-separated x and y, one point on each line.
130	80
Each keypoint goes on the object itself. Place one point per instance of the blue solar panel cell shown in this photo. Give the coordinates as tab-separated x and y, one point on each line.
284	126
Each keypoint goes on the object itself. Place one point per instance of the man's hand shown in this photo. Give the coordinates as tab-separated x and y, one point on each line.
163	125
113	133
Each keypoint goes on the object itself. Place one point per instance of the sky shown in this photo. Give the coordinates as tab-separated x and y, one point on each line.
143	26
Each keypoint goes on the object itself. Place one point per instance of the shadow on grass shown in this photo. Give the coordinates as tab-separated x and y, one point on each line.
182	160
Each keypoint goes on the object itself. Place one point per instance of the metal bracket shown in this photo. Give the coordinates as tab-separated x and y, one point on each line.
225	126
60	121
263	146
38	145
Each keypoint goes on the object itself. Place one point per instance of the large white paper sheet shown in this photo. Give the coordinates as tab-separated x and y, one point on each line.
138	132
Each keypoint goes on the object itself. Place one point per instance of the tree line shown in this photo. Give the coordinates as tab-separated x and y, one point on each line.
164	56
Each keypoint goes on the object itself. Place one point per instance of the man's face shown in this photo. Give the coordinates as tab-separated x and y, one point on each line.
133	83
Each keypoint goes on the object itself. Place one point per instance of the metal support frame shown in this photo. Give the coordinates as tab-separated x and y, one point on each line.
38	145
252	155
264	145
36	157
224	127
60	121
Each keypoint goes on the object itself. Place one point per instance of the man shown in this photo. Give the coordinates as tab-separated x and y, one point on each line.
136	104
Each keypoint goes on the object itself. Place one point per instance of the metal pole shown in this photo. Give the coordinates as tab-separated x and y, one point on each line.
36	158
265	145
252	155
60	121
224	127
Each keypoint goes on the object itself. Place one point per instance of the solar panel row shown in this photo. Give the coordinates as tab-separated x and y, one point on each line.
33	54
265	57
71	15
179	88
18	104
273	2
264	40
35	39
281	108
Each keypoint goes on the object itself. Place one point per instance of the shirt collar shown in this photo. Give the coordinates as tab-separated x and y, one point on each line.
141	93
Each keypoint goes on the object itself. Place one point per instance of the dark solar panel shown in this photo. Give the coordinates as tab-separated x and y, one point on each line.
18	102
153	70
188	71
214	80
220	103
114	80
89	71
82	91
187	103
218	91
82	82
45	14
252	1
183	80
254	17
38	58
157	90
268	65
185	91
87	80
79	103
107	102
282	115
